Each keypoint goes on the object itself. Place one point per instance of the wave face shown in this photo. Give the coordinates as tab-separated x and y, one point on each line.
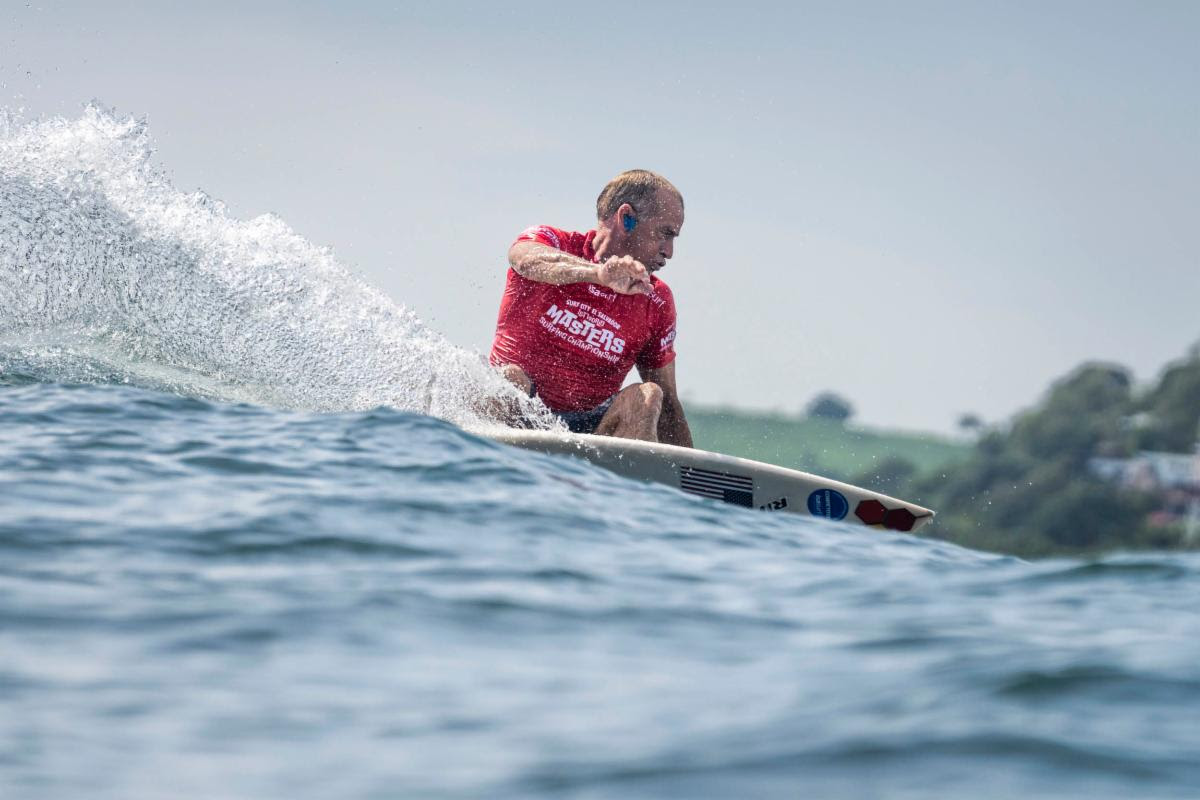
237	601
110	274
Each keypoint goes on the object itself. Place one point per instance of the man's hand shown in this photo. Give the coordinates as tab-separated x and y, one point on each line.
624	274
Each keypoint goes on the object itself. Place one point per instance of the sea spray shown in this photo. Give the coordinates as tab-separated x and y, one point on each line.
108	273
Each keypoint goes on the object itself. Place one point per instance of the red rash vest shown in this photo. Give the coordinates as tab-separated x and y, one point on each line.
578	341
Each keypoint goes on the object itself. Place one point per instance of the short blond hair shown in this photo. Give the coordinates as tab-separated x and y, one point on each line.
636	187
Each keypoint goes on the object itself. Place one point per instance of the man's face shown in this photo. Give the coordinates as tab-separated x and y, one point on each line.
652	242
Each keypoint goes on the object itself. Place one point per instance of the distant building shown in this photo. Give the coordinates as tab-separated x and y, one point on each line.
1174	477
1149	471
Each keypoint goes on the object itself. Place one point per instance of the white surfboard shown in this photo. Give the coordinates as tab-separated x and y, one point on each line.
739	481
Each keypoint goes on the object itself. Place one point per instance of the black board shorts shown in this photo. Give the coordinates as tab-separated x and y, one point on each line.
585	421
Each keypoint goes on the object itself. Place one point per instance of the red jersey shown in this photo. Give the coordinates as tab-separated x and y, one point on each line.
578	341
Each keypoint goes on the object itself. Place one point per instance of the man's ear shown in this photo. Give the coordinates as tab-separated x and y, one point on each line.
626	218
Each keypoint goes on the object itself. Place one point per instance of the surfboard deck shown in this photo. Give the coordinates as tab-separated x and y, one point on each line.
740	481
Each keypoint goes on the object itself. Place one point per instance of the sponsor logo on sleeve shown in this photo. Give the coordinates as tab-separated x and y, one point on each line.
665	342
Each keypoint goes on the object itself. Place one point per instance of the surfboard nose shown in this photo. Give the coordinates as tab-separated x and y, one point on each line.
901	518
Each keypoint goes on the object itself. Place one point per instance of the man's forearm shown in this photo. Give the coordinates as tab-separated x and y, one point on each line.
548	265
673	427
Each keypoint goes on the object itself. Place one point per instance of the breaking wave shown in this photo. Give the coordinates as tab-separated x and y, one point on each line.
109	274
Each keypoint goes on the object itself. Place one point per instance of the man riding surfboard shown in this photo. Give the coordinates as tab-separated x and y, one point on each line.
581	309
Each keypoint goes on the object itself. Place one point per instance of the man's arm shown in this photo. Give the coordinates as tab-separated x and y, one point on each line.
545	264
672	424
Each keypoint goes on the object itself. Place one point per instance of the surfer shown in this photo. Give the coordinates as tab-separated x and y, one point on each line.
580	310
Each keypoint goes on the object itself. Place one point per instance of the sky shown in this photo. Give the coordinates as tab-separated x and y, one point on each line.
929	208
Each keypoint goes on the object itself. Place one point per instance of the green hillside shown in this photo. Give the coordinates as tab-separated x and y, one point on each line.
817	445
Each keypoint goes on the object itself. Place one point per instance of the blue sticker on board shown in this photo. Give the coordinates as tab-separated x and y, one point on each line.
828	503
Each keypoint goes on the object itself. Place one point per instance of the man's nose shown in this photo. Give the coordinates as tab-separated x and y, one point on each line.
668	249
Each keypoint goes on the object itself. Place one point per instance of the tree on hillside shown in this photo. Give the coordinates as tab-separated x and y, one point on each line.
1027	489
970	424
828	405
1082	414
1173	408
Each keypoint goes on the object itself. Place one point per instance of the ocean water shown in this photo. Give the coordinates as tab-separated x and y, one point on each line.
252	544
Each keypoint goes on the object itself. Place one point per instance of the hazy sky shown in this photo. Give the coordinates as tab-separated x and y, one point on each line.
929	207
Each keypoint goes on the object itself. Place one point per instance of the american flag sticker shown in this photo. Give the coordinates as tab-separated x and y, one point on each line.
736	489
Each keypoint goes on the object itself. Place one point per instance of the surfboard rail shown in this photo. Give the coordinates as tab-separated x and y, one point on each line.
739	481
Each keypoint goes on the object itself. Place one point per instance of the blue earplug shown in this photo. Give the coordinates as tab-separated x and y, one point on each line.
630	222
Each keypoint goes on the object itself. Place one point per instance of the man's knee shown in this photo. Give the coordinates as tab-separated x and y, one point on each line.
517	377
646	396
653	394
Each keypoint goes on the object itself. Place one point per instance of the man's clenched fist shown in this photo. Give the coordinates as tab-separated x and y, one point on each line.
624	274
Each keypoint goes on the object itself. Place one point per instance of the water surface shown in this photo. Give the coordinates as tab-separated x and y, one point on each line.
249	548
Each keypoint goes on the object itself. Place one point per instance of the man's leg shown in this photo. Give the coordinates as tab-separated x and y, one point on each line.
633	413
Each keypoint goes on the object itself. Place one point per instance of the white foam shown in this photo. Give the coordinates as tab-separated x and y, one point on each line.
107	272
